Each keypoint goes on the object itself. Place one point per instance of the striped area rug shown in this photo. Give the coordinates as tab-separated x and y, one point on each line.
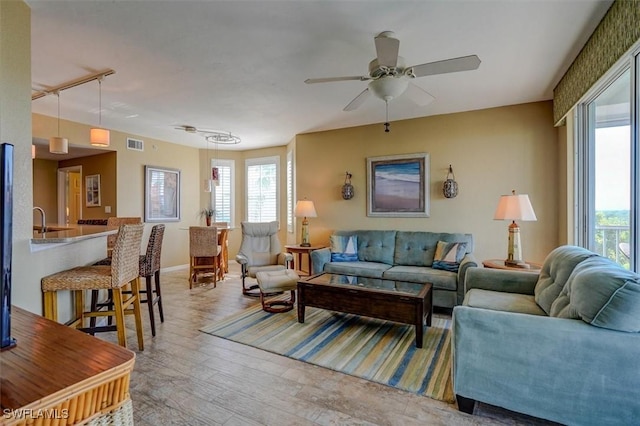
376	350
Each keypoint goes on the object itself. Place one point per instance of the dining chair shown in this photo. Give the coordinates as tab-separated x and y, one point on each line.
225	248
223	257
260	250
204	252
124	271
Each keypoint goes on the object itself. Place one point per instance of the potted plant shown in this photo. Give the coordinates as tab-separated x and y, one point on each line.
208	213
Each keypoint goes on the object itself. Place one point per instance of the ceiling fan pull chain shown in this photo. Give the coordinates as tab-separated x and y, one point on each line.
386	124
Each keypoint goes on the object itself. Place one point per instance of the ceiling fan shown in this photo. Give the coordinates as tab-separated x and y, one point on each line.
215	136
390	78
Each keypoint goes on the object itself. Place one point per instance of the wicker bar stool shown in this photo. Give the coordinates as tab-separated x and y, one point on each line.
204	252
150	267
124	270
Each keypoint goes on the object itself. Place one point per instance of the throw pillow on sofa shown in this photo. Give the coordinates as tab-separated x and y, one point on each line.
449	255
344	248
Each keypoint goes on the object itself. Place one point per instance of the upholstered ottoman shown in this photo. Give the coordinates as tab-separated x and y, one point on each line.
277	282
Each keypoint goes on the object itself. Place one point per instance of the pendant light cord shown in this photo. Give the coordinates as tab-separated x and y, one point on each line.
58	95
100	102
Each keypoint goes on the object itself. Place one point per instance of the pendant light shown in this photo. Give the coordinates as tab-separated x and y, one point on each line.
207	184
57	144
215	173
99	136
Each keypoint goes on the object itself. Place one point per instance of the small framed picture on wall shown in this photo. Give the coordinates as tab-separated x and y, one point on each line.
92	190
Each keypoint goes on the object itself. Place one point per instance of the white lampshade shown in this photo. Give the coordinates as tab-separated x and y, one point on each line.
58	145
515	207
99	137
305	208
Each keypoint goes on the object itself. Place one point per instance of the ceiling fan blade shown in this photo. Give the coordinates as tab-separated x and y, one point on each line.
418	95
387	49
359	100
331	79
464	63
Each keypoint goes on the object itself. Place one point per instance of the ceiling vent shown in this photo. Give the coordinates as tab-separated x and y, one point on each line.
135	144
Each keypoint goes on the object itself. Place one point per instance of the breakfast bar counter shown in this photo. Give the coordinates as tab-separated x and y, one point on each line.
59	375
56	234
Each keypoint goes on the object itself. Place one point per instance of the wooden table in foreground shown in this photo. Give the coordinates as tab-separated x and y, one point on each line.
405	302
59	375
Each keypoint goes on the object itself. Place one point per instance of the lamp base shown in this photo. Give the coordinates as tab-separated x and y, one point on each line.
305	245
516	264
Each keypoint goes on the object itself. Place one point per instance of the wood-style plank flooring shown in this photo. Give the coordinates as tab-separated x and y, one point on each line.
186	377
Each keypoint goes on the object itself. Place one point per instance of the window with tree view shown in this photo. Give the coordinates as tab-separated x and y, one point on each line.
262	189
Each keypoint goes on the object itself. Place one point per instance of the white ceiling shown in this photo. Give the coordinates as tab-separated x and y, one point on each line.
240	66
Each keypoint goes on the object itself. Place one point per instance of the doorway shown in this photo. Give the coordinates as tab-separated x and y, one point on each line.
69	194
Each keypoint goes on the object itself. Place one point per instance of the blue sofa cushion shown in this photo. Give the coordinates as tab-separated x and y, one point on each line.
449	255
502	301
361	269
555	272
344	248
419	274
603	294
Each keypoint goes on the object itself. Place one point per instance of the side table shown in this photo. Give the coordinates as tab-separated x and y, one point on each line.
499	264
298	250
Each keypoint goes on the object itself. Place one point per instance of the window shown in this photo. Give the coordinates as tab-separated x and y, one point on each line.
290	191
607	164
221	195
262	189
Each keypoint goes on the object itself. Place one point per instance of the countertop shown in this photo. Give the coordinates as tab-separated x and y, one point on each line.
71	234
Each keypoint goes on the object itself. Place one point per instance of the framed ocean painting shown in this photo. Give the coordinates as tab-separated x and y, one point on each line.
398	186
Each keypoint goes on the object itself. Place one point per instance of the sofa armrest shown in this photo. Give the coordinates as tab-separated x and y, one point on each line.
319	258
559	369
285	259
500	280
468	261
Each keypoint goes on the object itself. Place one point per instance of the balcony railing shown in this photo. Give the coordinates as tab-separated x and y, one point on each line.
612	241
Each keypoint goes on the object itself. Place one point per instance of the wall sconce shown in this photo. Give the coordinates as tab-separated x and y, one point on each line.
347	188
450	187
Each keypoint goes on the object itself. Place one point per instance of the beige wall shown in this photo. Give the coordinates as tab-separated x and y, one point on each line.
45	192
105	165
492	152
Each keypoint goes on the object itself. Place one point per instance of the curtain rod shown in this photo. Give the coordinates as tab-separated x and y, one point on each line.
72	83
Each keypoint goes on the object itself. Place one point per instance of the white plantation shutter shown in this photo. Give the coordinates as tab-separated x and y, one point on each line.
262	189
221	197
290	191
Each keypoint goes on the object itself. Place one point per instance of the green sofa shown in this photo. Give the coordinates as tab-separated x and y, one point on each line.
562	345
402	256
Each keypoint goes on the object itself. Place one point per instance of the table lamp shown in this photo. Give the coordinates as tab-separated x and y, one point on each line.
515	207
305	209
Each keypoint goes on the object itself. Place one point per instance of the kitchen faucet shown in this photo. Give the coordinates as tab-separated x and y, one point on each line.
43	222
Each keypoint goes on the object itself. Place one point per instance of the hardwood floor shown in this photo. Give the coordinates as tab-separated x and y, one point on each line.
186	377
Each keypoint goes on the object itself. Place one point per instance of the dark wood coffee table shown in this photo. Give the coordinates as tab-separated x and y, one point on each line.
405	302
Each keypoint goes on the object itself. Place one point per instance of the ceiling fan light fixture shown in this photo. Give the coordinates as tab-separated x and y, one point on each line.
388	87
